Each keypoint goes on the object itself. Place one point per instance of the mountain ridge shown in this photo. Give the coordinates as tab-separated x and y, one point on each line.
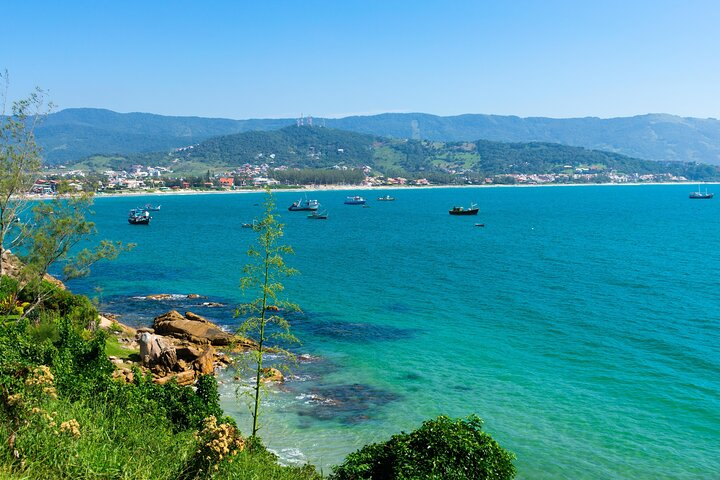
317	147
652	136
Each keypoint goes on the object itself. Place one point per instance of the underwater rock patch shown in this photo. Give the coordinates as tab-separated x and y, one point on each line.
347	403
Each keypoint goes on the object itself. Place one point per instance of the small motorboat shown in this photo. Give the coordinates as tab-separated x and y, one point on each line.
151	208
318	216
479	224
355	200
386	198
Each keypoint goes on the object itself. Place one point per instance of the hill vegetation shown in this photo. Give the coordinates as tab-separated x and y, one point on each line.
322	148
72	134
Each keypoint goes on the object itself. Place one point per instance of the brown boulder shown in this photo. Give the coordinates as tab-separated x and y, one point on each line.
270	374
124	375
156	352
183	378
196	318
159	296
188	354
192	328
204	365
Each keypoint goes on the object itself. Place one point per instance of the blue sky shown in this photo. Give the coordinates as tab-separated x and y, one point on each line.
279	58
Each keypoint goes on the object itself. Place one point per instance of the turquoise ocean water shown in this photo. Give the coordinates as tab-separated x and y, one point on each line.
580	323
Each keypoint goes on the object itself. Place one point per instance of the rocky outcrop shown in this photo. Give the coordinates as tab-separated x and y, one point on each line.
205	363
183	378
270	374
170	296
193	328
181	347
156	353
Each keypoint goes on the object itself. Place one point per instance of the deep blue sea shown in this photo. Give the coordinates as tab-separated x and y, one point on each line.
581	323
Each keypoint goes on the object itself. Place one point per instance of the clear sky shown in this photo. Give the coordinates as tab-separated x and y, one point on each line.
281	58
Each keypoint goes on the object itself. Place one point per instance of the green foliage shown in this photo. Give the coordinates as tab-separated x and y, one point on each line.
442	449
59	225
263	320
184	407
110	442
256	463
318	176
313	151
64	418
63	303
19	161
81	367
310	147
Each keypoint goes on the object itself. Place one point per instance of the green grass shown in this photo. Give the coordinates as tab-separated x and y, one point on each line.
386	157
119	443
113	443
114	348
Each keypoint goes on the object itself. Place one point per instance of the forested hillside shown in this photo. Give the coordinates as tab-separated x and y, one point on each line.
320	147
72	134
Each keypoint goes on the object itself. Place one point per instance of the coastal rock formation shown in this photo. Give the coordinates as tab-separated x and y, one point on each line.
183	378
212	304
156	352
125	375
180	347
159	296
270	374
170	296
205	363
191	327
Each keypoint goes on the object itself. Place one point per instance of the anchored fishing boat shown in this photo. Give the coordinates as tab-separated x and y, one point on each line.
304	205
473	210
355	200
138	216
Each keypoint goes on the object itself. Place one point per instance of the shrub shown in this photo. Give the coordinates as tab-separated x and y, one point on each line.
184	407
81	366
442	448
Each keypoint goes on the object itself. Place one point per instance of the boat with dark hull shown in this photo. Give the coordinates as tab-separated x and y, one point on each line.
473	210
304	206
139	217
700	195
355	200
318	216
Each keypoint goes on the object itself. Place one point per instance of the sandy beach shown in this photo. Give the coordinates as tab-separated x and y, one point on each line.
365	188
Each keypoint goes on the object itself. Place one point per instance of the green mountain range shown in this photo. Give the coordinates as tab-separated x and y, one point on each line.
320	148
72	134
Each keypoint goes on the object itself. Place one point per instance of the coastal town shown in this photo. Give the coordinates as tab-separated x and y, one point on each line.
141	178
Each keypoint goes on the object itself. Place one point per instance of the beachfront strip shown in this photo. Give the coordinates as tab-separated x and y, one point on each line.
141	178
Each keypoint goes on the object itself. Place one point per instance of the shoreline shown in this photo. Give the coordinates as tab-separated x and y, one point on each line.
365	188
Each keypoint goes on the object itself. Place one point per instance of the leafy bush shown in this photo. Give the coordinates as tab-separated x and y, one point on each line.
442	449
78	308
184	407
19	353
81	365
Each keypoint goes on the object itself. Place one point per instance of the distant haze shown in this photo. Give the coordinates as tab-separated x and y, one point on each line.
75	133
